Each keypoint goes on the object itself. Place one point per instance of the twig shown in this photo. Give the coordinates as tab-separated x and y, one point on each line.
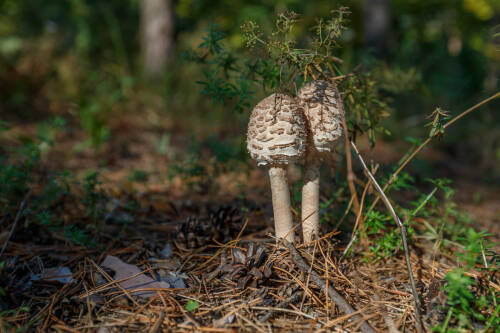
157	325
429	139
350	173
309	275
281	305
249	322
403	236
391	326
110	280
18	216
347	210
355	229
332	293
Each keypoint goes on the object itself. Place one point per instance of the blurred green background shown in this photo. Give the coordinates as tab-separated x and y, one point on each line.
94	62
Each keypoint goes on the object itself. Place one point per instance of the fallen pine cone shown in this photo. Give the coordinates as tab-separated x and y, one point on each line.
248	267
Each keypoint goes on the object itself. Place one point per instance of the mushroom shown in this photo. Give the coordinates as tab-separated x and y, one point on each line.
277	136
323	110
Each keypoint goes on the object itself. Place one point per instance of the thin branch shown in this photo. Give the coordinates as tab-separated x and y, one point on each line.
18	216
350	173
308	275
343	305
358	219
281	305
159	322
403	236
429	139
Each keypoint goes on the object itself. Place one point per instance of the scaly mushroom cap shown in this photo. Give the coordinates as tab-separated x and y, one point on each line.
276	131
322	106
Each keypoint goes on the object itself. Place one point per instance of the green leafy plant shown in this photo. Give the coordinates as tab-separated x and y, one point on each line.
467	306
281	61
138	176
191	305
315	59
437	124
94	198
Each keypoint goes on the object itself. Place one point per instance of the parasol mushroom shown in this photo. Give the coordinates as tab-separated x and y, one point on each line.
277	136
323	110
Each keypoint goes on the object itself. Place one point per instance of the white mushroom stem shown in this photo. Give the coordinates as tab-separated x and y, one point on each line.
281	202
310	199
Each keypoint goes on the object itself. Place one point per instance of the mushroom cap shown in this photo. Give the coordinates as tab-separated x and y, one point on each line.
277	130
323	109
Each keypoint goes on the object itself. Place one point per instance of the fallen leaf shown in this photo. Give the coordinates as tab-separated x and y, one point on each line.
138	281
239	256
167	251
174	280
227	319
60	274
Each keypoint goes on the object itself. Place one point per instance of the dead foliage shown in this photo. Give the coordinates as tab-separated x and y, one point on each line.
149	280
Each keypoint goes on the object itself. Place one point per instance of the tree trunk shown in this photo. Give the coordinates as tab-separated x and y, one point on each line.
157	25
376	25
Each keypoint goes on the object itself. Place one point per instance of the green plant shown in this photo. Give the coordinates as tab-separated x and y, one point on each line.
101	96
465	308
46	133
469	302
12	312
475	248
138	176
226	76
191	305
20	174
94	197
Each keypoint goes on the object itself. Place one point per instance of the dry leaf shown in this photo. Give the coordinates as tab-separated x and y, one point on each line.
138	281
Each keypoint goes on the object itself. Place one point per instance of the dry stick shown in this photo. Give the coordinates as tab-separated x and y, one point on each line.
249	322
358	220
419	148
347	210
281	305
309	275
332	293
350	173
157	325
403	235
18	216
356	224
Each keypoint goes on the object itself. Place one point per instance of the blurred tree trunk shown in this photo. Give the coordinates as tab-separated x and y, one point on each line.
157	25
376	25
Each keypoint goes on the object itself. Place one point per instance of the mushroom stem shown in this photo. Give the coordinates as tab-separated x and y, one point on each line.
310	200
281	202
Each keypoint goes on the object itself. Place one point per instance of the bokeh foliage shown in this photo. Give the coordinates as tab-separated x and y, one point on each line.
84	56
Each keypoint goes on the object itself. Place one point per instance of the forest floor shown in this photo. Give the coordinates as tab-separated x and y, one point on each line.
198	255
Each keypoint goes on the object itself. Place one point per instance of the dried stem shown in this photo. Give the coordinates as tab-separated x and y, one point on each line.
16	219
157	326
343	305
403	236
356	224
350	173
281	305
